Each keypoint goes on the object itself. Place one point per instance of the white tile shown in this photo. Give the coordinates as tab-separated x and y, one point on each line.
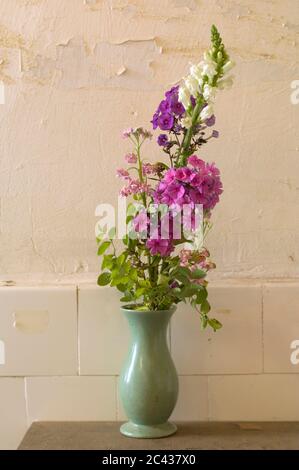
38	326
71	398
254	398
13	421
236	348
281	326
192	402
103	332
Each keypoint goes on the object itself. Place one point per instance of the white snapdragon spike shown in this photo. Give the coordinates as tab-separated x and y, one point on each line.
186	122
207	112
196	72
184	96
228	66
209	69
225	83
209	92
192	85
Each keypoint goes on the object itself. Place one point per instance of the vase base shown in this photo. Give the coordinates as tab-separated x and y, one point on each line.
155	431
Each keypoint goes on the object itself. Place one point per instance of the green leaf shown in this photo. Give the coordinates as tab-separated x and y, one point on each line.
139	292
104	279
204	322
112	232
197	274
103	247
201	295
215	324
121	287
108	262
205	307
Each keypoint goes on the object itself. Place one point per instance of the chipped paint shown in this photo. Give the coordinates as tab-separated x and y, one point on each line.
31	321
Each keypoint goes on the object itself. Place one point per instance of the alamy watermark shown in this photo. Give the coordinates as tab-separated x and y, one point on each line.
156	221
295	93
294	358
2	353
2	93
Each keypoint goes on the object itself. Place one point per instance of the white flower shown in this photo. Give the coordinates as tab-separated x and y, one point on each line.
192	85
196	72
184	96
225	82
209	92
186	122
228	66
209	69
207	57
207	112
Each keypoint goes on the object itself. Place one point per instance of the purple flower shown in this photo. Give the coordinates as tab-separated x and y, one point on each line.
193	101
154	121
165	121
215	134
177	108
162	140
164	107
172	93
210	122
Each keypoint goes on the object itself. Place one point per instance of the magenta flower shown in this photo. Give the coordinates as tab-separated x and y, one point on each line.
199	185
160	246
196	162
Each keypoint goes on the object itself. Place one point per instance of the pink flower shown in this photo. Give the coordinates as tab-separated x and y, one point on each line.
147	169
127	133
122	173
140	222
196	162
131	158
134	187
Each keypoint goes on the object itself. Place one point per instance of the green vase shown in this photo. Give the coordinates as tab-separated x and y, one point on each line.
148	381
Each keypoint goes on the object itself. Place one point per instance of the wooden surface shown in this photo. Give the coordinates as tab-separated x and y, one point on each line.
106	436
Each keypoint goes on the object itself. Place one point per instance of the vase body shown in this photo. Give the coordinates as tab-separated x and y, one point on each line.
148	381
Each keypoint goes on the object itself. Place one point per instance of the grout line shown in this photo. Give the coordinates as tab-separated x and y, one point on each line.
229	374
209	400
78	336
26	401
262	330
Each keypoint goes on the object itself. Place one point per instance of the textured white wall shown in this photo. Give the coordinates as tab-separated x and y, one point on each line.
76	72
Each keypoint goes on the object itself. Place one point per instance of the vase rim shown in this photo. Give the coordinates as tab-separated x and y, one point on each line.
130	310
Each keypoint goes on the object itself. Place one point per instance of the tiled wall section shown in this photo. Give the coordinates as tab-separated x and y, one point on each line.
64	348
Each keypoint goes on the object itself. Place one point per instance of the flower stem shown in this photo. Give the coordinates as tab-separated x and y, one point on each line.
187	139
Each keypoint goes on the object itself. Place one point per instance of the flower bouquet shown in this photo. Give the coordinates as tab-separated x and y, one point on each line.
164	260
